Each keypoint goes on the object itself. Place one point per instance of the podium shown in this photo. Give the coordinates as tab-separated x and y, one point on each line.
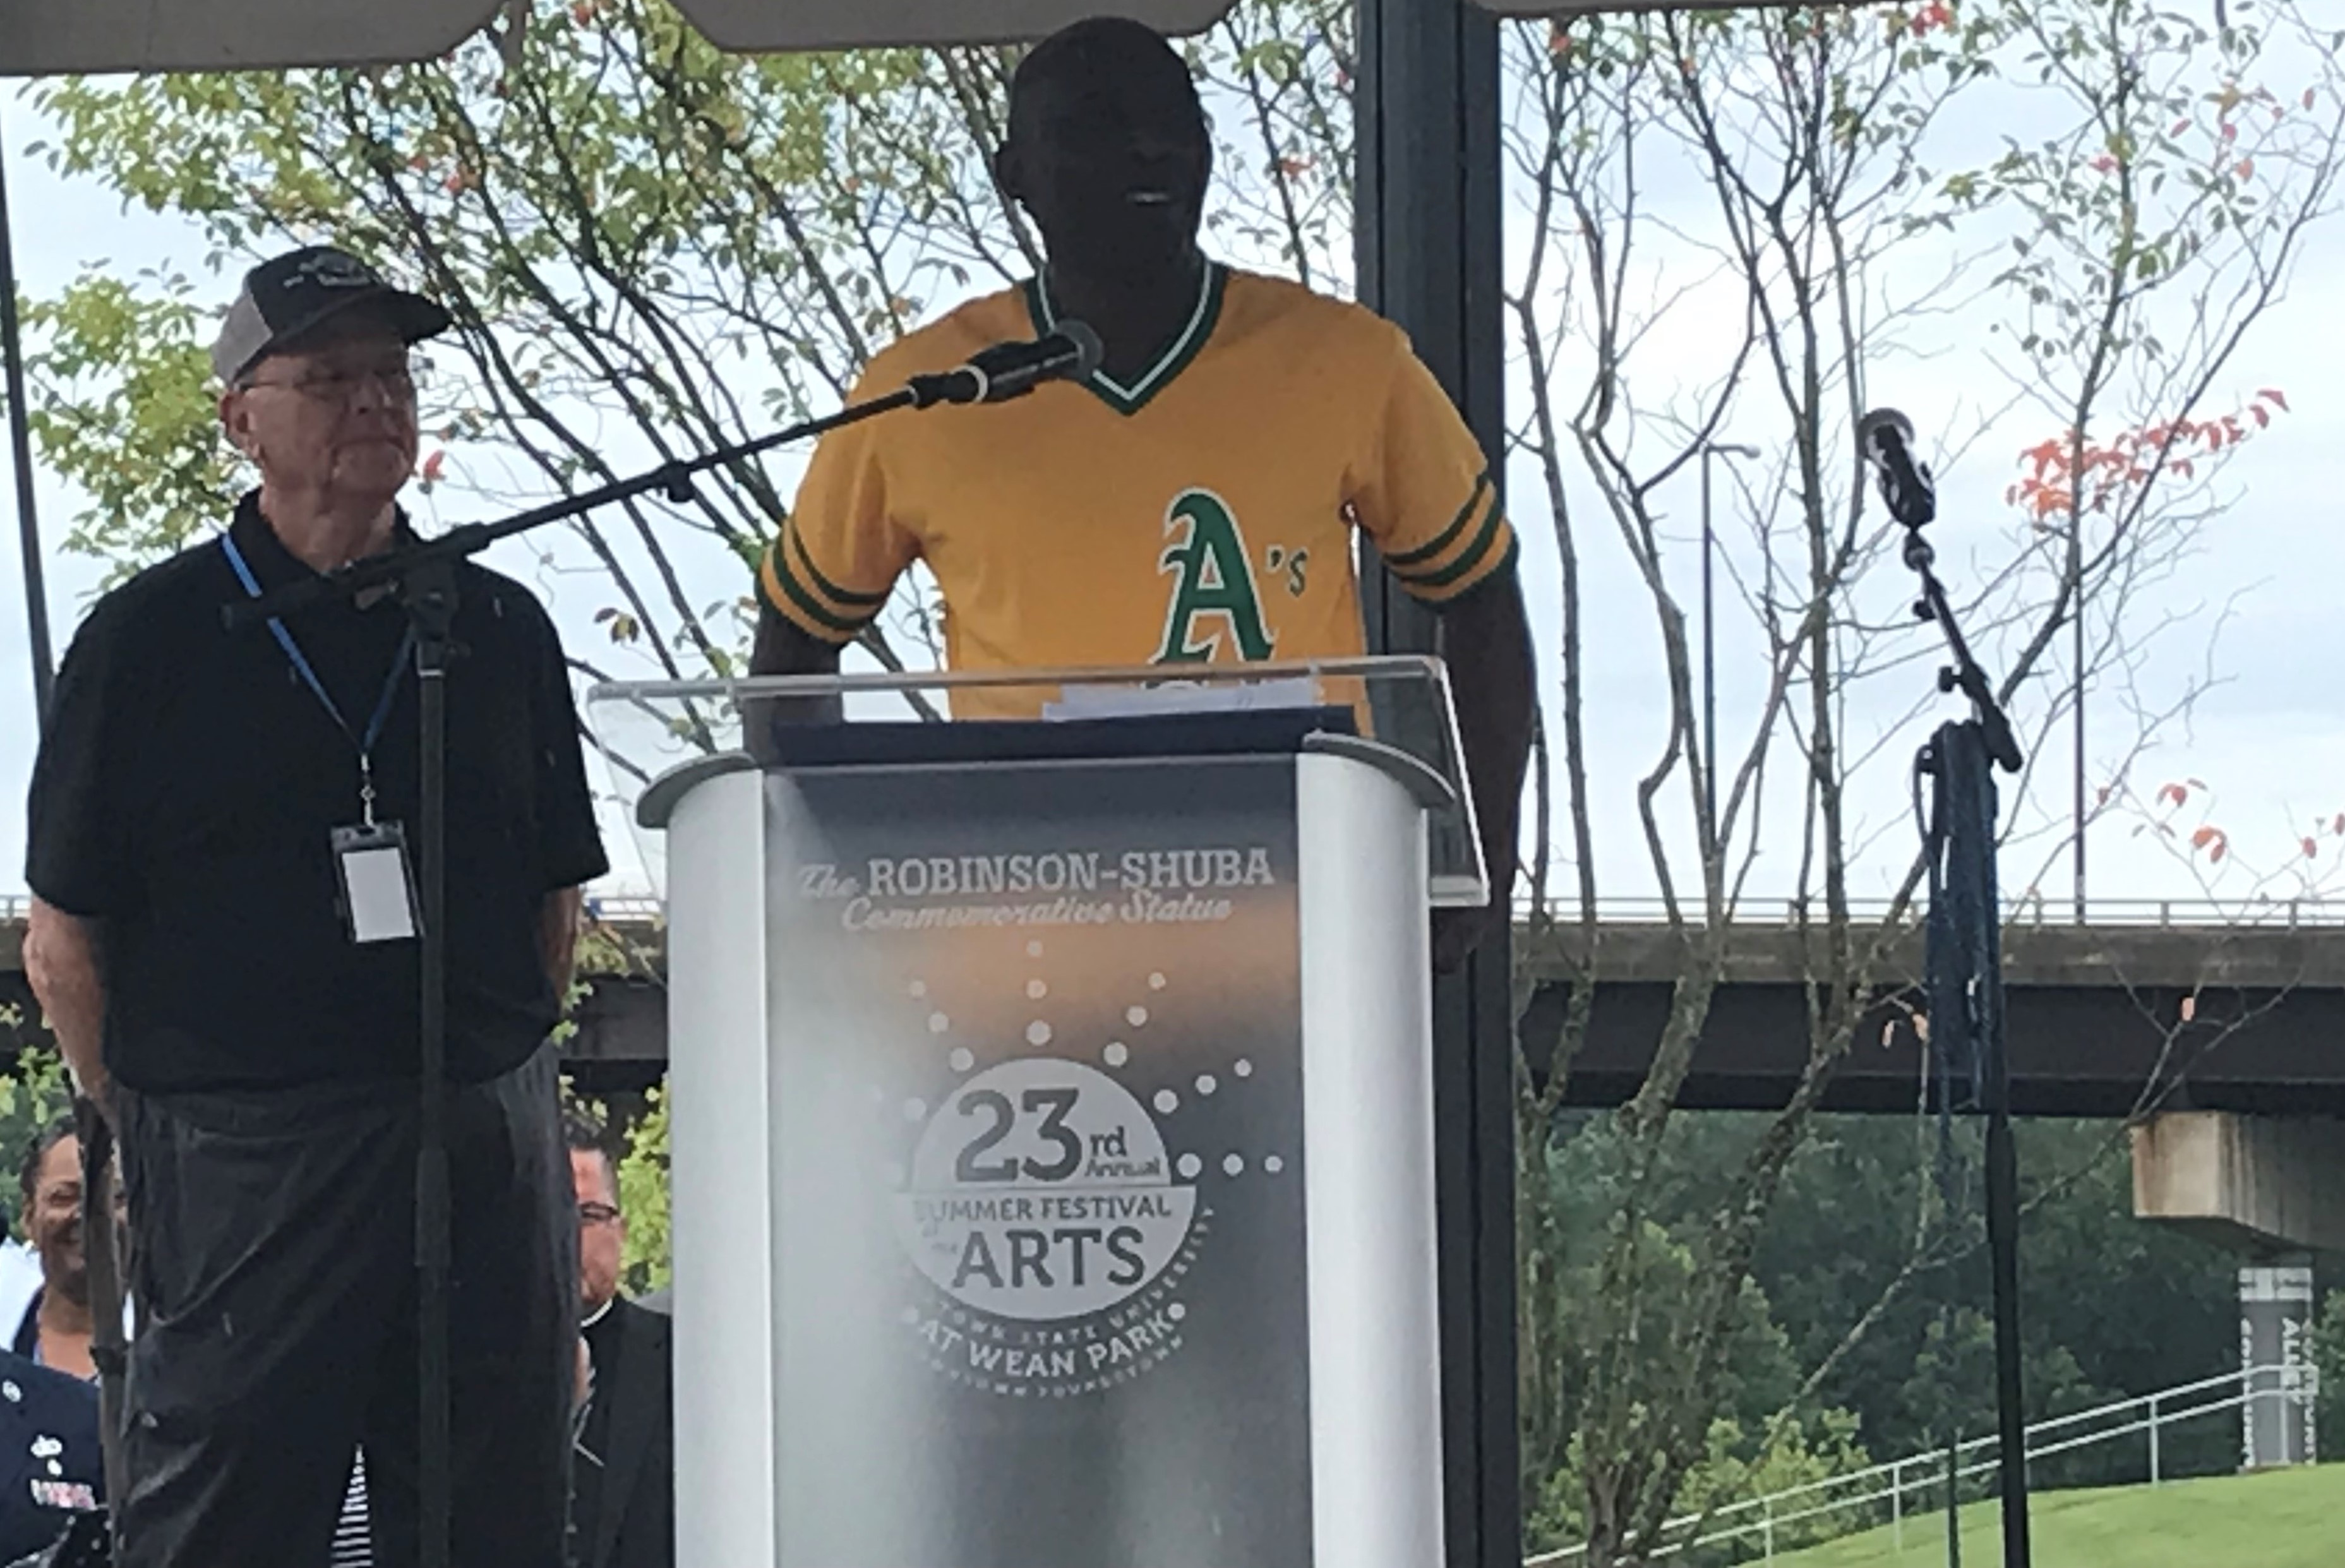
1051	1123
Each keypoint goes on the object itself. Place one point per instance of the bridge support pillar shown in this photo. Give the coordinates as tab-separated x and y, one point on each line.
2256	1185
2275	1310
2272	1189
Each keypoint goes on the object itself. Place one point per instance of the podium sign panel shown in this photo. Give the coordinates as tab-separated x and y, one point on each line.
1051	1147
1076	1047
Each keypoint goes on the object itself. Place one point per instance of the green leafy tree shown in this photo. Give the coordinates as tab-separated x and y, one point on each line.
2328	1361
643	1194
1848	197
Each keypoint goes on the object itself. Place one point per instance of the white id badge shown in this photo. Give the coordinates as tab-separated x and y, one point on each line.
377	890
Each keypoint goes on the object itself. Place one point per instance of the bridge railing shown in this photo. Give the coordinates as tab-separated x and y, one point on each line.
2135	913
1886	1493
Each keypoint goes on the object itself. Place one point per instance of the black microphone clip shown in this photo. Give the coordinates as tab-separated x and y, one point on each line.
1884	438
1069	351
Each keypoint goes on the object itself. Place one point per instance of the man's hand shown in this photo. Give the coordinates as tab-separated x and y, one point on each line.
61	960
783	648
1486	641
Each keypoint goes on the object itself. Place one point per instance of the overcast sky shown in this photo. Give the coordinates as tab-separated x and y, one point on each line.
2267	738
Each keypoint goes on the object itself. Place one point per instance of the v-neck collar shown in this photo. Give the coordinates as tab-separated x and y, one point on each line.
1185	347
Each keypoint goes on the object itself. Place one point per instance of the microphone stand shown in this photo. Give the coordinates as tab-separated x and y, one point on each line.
1963	961
422	578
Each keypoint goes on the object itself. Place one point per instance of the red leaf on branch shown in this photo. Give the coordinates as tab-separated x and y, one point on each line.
2311	850
2174	792
2275	397
2247	169
433	465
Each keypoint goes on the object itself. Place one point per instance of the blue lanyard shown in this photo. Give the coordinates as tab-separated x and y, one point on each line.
365	743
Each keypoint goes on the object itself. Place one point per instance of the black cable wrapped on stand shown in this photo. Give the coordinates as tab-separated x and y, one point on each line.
1963	950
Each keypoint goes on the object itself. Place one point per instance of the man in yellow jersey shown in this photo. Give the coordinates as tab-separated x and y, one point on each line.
1194	499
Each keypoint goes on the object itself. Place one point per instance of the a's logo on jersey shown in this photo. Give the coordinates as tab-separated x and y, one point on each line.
1213	593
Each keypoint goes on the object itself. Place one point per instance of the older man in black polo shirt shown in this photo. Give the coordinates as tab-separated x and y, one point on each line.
223	978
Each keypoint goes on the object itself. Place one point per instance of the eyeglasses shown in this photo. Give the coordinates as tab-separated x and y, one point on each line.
340	383
597	1214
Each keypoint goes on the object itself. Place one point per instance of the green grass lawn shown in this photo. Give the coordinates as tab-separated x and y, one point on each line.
2282	1519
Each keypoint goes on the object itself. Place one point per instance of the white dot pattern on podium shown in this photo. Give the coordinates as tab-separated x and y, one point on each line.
1167	1102
1189	1167
1233	1165
938	1022
1136	1016
1036	990
1272	1164
962	1059
1037	1033
1207	1083
1116	1054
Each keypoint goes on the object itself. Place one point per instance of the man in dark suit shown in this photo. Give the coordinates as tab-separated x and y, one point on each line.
51	1472
623	1498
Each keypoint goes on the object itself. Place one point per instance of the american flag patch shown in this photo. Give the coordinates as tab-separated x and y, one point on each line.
73	1496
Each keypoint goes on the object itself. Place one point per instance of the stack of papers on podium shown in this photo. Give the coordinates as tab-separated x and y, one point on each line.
1128	701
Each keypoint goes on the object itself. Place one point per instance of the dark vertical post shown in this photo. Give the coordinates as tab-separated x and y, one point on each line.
1429	227
20	441
1708	661
430	592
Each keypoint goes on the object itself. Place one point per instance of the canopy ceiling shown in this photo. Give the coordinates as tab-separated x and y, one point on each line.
42	37
47	37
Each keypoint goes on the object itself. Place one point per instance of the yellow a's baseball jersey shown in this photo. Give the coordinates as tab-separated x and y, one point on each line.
1202	513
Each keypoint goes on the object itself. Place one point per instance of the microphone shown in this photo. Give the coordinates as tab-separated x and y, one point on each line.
1069	353
1884	438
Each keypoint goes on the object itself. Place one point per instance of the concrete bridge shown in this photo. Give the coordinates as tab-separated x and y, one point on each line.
2144	1006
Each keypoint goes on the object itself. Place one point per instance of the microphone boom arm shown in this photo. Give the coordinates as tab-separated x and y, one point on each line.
673	480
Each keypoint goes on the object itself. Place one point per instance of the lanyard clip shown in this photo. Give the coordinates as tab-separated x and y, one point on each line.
366	789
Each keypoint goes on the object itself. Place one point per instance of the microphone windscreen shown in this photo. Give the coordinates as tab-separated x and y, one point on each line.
1869	427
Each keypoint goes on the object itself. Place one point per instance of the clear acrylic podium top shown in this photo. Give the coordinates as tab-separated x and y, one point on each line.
645	731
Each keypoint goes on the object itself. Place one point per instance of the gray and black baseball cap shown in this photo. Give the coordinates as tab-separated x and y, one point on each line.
289	294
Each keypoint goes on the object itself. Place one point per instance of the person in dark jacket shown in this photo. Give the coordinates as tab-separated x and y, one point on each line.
623	1501
51	1469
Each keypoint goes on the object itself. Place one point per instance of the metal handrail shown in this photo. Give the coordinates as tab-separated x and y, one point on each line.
1880	1483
